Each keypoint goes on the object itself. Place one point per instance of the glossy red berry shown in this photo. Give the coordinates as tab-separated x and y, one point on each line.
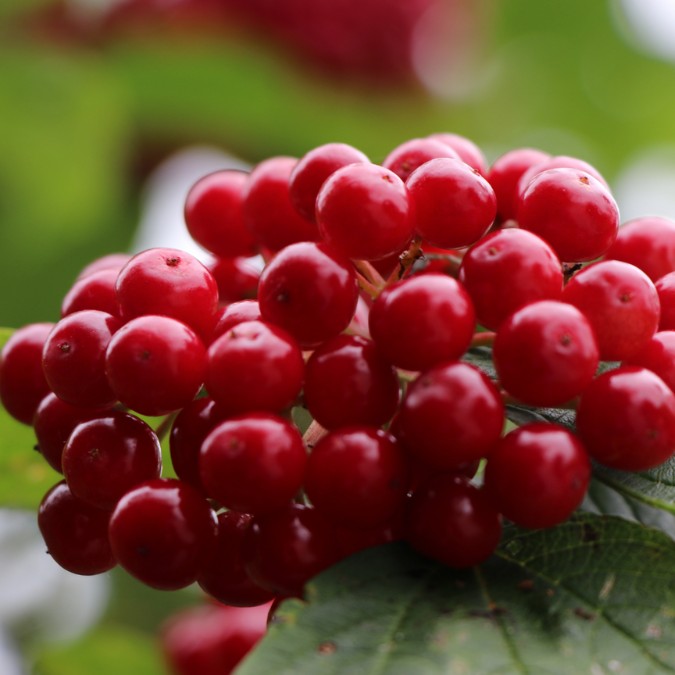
537	475
507	270
348	381
453	521
453	204
171	283
467	150
312	170
96	290
223	575
214	214
558	162
409	155
76	533
626	419
571	210
545	353
657	355
423	320
110	261
22	381
620	302
253	463
237	279
73	358
235	313
254	366
268	211
155	364
357	477
310	291
161	532
364	212
105	457
451	415
665	287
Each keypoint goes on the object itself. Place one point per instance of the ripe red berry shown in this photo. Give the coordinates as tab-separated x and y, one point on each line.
96	290
423	320
111	261
558	162
254	366
105	457
657	355
626	419
537	475
665	287
453	204
348	381
22	381
253	463
357	477
235	313
155	364
453	521
214	214
171	283
467	150
309	290
507	270
161	533
409	155
545	353
451	415
620	302
76	533
364	212
571	210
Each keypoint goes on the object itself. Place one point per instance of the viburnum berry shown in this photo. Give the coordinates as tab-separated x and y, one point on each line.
507	270
348	381
451	520
657	355
312	170
409	155
421	321
364	212
310	291
105	457
451	414
620	302
254	366
467	150
110	261
665	287
268	211
234	313
537	475
73	358
648	243
453	204
161	532
222	574
169	282
571	210
358	477
545	353
237	279
76	533
558	162
22	380
96	290
626	419
214	214
155	364
253	463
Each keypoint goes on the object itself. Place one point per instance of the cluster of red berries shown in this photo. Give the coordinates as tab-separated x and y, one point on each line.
379	279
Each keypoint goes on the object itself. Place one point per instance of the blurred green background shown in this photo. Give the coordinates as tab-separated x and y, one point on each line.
87	114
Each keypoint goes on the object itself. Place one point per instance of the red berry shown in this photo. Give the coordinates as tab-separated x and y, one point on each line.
423	320
665	287
364	212
253	463
507	270
310	291
545	353
348	382
626	419
96	290
111	261
467	150
161	533
411	154
76	533
237	279
155	364
235	313
558	162
452	521
453	204
105	457
537	475
22	381
214	214
657	355
254	366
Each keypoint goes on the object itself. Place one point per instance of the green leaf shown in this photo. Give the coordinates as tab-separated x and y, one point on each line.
594	595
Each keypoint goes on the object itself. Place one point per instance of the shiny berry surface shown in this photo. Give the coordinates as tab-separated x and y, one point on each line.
94	291
409	155
657	355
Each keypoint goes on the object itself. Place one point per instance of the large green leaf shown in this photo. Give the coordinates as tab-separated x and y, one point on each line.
594	595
